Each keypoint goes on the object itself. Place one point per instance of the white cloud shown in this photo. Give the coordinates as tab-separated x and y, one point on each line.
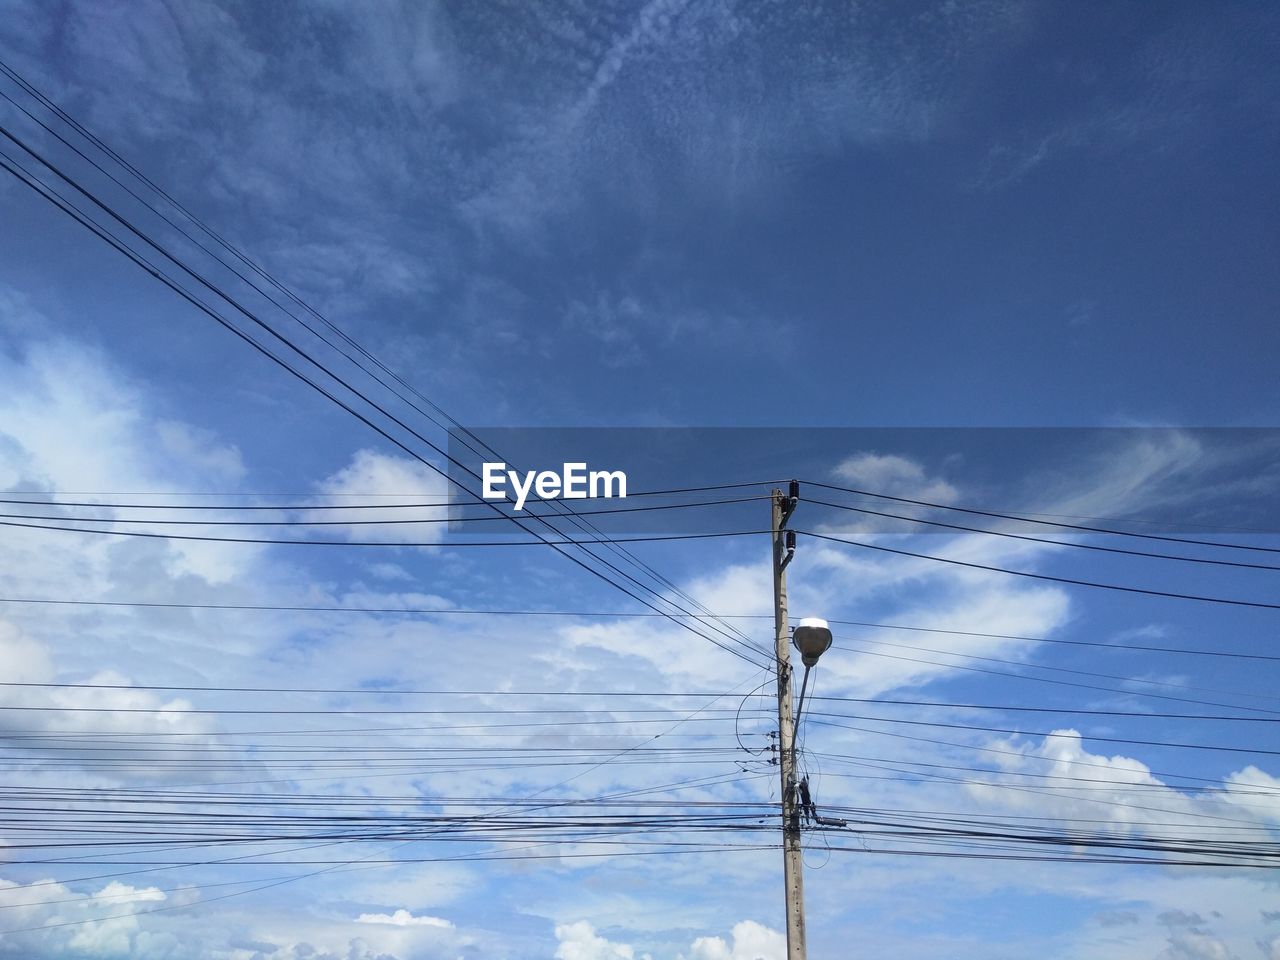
407	52
1102	786
113	909
667	649
420	886
750	941
403	918
1254	791
58	715
1120	794
116	892
888	661
887	472
71	421
648	25
1195	945
387	480
22	660
579	941
1145	469
389	571
726	137
203	450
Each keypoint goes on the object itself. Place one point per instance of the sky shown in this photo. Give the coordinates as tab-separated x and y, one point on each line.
825	224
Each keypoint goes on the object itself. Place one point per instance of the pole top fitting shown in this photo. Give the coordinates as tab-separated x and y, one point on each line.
790	501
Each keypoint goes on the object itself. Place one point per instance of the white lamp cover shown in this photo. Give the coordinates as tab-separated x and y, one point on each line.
812	638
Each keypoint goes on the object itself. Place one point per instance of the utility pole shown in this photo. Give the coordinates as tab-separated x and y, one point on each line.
792	862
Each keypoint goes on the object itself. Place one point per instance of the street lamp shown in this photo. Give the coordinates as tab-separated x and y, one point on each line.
812	637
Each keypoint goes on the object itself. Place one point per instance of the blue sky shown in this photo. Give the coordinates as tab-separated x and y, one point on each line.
984	214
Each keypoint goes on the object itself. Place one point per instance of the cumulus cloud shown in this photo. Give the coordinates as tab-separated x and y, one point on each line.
52	744
1100	784
117	892
1195	945
47	919
1255	791
392	482
1117	794
39	912
403	918
748	941
579	941
70	420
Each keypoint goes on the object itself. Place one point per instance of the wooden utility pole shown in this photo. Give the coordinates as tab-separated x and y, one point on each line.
792	862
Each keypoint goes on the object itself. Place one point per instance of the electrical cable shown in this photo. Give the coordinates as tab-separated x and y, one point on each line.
1054	543
1174	595
259	271
101	232
1051	523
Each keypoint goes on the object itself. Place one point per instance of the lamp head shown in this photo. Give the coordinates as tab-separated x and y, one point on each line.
812	637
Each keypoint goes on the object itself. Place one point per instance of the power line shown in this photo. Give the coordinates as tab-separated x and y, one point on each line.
1149	648
601	694
1044	576
540	541
1069	670
1051	523
1020	708
579	543
155	271
613	547
1062	683
645	694
1078	783
415	500
363	523
1021	755
1048	542
740	641
1218	747
442	611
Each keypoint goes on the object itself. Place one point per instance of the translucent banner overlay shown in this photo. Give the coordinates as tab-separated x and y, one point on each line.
878	480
